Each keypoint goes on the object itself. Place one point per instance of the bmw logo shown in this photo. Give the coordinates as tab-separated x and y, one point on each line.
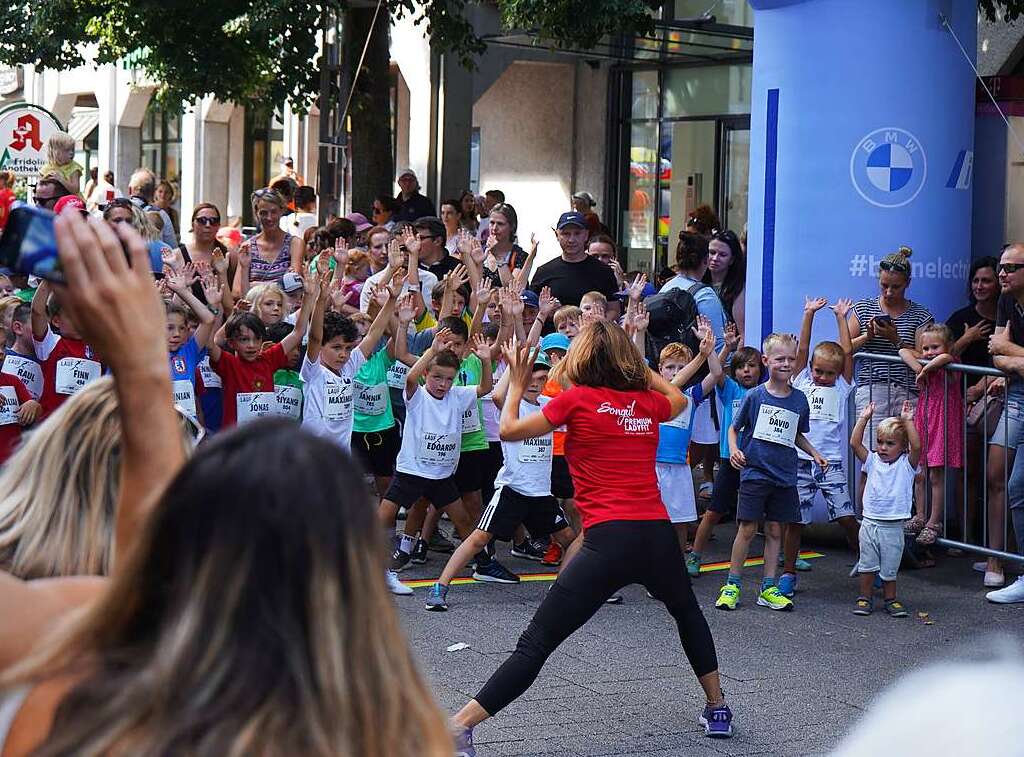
888	167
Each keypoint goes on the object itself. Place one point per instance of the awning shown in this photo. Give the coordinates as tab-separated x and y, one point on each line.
83	121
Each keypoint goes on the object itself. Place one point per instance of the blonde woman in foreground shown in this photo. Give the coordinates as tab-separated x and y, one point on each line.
233	621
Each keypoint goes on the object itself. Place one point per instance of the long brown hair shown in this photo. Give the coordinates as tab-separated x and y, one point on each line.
243	623
603	356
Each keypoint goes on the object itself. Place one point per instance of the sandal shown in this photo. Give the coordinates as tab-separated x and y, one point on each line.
929	534
914	525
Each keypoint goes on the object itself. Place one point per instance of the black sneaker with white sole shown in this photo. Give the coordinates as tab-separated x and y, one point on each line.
493	571
419	553
400	560
528	550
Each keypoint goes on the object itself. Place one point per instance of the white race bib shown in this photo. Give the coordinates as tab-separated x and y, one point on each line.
471	419
438	449
185	396
396	375
289	401
8	405
535	450
252	405
370	400
683	419
824	403
338	401
75	372
29	371
211	379
776	425
736	407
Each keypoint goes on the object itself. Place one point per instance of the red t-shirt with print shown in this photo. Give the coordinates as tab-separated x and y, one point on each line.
610	447
10	433
63	359
242	376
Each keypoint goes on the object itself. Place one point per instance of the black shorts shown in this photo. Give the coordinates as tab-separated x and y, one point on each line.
561	480
726	489
495	459
406	489
471	474
378	450
764	500
508	508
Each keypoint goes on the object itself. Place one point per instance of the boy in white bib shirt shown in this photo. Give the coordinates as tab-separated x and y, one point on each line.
763	439
826	384
522	491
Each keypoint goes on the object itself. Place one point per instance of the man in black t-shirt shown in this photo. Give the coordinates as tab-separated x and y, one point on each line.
574	273
434	257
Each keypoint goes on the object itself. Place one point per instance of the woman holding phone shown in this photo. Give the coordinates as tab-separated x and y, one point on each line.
881	326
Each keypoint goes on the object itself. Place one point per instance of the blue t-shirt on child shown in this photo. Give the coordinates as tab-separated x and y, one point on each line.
730	395
674	436
185	359
767	427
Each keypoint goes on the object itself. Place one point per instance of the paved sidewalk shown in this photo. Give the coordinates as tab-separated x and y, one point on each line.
621	685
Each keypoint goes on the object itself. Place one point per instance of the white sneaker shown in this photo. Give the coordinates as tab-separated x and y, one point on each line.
994	579
1012	593
394	585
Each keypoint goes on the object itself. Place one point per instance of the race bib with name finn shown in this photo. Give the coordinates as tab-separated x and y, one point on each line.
73	373
29	371
824	403
777	425
252	405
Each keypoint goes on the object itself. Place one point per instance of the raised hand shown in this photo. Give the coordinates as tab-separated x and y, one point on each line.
548	304
411	242
394	287
732	336
906	412
212	290
220	261
484	292
867	412
245	256
406	308
442	338
814	304
396	258
340	253
842	307
703	328
243	305
181	279
707	342
457	277
642	319
636	289
311	288
481	348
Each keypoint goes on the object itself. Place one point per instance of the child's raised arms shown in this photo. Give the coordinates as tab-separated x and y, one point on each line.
913	438
857	435
442	339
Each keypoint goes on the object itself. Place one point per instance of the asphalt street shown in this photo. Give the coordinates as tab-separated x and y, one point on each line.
796	681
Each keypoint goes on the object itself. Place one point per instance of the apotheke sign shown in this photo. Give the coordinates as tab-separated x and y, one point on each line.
24	132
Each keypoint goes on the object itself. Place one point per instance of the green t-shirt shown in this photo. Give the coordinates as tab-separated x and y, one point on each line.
473	435
288	388
371	399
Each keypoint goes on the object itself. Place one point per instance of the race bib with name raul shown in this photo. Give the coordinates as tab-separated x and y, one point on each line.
338	401
289	401
370	400
824	403
536	450
438	449
252	405
185	396
8	405
73	373
776	425
29	371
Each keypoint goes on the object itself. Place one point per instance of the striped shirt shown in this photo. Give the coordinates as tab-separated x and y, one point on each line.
907	324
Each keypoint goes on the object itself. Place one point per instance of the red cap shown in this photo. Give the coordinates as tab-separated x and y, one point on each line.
68	201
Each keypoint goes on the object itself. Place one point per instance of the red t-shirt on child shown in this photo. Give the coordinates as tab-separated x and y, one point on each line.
68	367
15	395
610	448
242	377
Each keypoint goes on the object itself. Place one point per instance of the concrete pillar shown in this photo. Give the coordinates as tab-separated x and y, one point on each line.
454	129
236	162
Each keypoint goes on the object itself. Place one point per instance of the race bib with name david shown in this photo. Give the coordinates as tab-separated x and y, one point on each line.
252	405
29	371
776	425
73	373
824	403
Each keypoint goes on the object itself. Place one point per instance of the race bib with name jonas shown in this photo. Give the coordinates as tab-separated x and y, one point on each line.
776	425
252	405
824	403
29	371
8	405
370	400
185	396
73	373
438	449
289	401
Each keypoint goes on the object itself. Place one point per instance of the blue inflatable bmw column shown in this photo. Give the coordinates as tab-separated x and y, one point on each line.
862	132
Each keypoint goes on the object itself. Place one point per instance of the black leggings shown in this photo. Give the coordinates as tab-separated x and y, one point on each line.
614	555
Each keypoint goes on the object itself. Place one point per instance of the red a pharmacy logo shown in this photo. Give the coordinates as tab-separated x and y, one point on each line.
26	132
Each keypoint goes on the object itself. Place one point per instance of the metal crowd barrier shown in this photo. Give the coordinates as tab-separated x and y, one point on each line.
956	497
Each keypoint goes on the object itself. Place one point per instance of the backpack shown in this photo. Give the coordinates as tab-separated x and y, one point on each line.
673	314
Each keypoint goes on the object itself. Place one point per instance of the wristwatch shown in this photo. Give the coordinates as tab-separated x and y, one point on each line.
415	287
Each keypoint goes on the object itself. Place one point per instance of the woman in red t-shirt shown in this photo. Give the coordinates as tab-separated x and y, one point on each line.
612	412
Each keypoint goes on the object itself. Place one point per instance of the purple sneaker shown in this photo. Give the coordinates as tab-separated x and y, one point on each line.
464	742
717	721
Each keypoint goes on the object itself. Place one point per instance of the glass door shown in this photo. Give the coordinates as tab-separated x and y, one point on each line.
735	162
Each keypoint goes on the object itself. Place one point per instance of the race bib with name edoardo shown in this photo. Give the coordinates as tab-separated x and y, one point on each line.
8	405
438	449
73	373
777	425
252	405
824	403
29	371
370	400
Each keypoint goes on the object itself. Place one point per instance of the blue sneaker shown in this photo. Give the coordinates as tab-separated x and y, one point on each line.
717	721
801	564
437	596
464	742
494	572
787	585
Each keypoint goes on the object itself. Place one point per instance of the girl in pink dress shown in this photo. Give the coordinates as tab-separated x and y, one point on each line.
940	412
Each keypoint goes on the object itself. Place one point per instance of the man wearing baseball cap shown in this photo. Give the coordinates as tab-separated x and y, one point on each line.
411	204
574	273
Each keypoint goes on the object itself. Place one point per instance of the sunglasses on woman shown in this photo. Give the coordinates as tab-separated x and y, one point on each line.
207	220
